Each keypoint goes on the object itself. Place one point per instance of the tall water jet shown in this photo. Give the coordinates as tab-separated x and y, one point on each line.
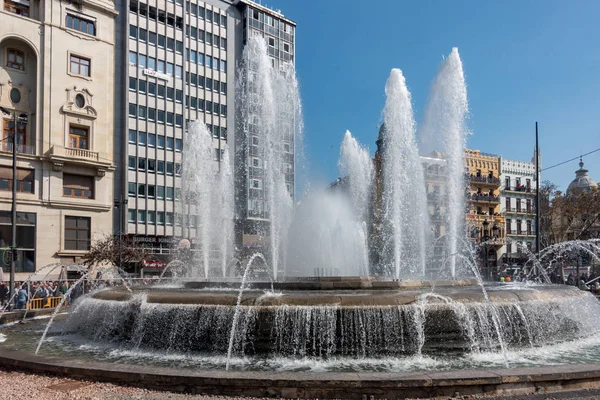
404	200
269	110
445	126
355	163
209	187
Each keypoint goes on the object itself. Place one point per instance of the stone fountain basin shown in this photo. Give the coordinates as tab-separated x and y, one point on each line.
341	292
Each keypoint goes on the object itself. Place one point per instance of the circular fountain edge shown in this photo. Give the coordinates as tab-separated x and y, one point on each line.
350	385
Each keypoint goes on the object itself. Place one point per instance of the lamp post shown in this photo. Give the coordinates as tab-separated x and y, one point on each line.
485	239
21	118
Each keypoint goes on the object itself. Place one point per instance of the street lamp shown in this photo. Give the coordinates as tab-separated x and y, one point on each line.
17	118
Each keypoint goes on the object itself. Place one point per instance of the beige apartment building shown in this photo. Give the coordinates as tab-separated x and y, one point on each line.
57	75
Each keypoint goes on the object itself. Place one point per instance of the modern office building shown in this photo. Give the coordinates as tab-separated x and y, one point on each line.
517	201
56	76
179	64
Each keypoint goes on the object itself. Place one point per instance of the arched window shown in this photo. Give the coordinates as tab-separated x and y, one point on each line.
15	59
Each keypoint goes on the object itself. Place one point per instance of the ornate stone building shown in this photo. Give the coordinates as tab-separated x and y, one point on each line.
56	76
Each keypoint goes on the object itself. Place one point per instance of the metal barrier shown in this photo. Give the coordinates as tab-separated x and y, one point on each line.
50	302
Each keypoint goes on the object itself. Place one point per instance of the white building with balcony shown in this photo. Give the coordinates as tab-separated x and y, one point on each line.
517	199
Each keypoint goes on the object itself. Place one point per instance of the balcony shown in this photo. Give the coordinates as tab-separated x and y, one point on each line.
21	148
485	217
526	211
485	180
520	233
485	198
519	189
59	155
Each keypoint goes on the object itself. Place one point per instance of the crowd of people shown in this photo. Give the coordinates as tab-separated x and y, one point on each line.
26	291
583	281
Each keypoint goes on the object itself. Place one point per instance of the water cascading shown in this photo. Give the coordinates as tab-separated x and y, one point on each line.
209	188
406	221
269	107
444	129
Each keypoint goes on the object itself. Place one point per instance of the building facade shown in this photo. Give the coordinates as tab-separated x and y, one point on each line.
484	216
517	202
56	76
179	62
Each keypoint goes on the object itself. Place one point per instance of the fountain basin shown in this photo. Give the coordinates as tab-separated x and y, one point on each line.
361	318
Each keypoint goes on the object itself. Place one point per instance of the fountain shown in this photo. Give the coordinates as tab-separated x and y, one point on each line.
325	306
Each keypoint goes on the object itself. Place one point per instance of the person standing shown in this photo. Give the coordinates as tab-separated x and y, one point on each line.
21	298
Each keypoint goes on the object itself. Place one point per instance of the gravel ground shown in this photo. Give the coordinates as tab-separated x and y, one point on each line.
18	385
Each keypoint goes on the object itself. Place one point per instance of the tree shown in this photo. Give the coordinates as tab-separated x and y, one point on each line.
574	216
106	251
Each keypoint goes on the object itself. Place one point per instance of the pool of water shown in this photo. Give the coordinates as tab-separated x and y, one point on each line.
67	346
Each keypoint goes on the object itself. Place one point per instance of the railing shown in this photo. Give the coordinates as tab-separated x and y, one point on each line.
519	189
485	197
82	154
520	233
21	148
49	302
484	179
520	210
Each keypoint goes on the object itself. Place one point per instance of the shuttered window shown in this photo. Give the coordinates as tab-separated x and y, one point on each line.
77	233
78	186
25	179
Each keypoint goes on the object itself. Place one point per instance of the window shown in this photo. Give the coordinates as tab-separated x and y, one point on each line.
170	117
208	62
152	88
132	84
223	110
142	86
224	21
161	41
131	214
209	16
160	167
141	164
80	65
15	59
178	144
161	142
151	165
142	60
131	189
77	233
223	66
178	169
170	93
78	137
132	58
161	91
78	186
223	87
179	47
160	218
209	84
170	193
152	38
178	120
132	162
81	24
178	95
17	8
25	179
151	140
132	110
169	168
151	217
151	114
160	192
151	191
161	116
209	39
8	129
170	142
508	204
142	216
169	218
142	112
132	136
142	138
141	190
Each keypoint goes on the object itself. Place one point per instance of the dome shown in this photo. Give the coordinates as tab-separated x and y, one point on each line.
582	182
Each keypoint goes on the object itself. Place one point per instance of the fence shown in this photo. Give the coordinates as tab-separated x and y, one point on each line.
50	302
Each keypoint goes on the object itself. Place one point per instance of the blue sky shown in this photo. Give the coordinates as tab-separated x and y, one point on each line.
524	61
